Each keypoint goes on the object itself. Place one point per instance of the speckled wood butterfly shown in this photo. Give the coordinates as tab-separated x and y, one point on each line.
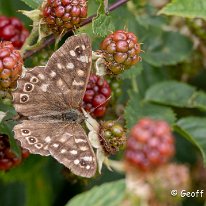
51	97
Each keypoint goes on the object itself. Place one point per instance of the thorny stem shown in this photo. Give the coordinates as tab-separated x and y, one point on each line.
51	38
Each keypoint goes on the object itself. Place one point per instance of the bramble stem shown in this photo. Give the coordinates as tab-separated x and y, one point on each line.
51	39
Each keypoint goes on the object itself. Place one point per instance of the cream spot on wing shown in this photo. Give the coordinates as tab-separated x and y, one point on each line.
63	139
83	59
83	148
81	83
80	72
90	59
41	76
55	145
70	65
48	139
72	52
79	140
44	87
53	74
68	134
46	147
63	151
87	158
59	83
59	66
87	167
74	152
76	162
83	47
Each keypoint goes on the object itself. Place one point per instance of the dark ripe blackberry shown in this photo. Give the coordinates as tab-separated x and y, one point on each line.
96	96
8	159
12	29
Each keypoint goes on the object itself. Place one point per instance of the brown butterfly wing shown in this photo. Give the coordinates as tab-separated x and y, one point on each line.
32	97
60	85
52	90
73	62
67	143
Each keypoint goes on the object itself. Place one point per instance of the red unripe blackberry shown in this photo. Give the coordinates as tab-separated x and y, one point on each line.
10	65
150	144
8	159
121	50
96	96
11	29
62	15
112	137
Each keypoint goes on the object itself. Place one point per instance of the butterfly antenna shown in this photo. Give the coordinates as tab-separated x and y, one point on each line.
92	110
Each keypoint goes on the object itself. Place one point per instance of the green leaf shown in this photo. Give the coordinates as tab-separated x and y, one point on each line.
186	8
132	72
40	177
137	109
102	25
108	194
34	4
159	51
194	130
6	128
7	124
176	94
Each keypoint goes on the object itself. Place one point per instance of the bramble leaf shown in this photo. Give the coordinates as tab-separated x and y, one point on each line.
162	52
137	109
34	4
132	72
110	194
194	130
176	94
102	25
185	8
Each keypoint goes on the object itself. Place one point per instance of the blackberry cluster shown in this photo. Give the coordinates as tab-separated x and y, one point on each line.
121	50
11	29
96	96
150	144
112	137
8	159
10	65
62	15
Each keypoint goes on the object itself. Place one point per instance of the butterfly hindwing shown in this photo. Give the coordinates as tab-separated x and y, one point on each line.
74	150
67	143
34	136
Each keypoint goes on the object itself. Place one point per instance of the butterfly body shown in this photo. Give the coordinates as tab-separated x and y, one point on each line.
51	98
69	116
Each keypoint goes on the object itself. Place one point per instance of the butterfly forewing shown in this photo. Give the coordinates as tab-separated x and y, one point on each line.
73	63
32	98
45	95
